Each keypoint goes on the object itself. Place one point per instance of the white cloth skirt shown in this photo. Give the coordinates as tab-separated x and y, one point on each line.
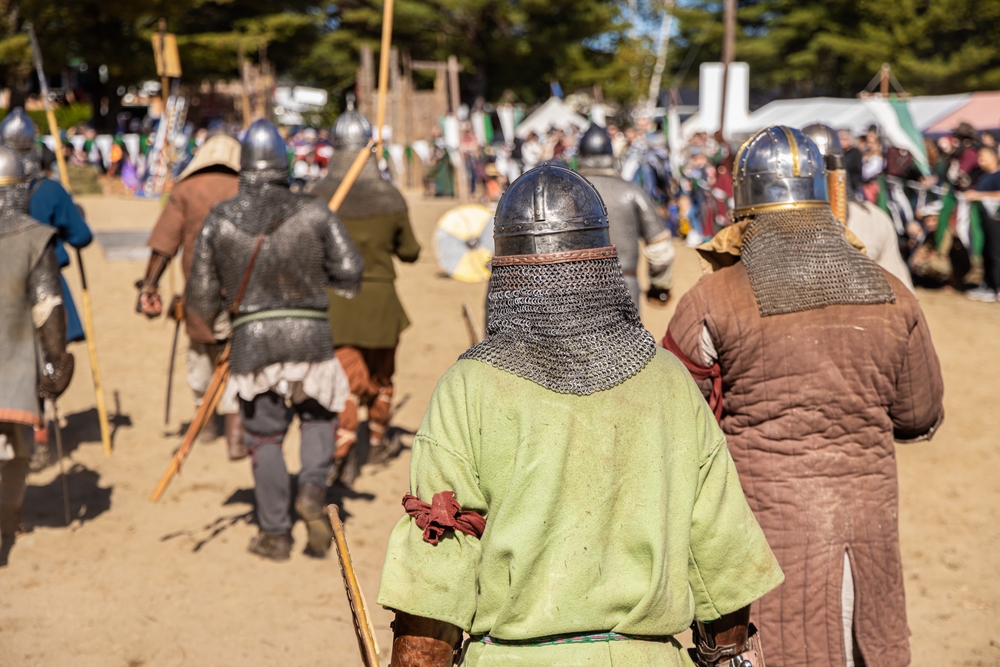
324	381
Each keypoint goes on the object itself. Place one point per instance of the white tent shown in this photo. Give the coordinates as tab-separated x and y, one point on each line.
851	114
553	113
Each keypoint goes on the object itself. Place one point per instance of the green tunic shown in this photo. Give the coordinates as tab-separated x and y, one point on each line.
375	317
619	511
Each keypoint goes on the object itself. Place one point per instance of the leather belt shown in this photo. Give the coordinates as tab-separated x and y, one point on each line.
280	314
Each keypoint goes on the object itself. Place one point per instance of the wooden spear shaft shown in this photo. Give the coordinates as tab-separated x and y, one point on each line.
88	317
363	629
383	90
383	72
728	46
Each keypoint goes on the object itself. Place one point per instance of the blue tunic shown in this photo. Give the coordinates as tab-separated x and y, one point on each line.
51	205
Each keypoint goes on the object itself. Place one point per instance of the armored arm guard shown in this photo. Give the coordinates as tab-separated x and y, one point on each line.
203	295
343	262
423	642
49	318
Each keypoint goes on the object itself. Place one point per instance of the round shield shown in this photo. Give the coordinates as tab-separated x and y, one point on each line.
463	242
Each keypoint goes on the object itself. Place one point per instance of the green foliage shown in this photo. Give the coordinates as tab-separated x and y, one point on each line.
835	47
66	117
500	44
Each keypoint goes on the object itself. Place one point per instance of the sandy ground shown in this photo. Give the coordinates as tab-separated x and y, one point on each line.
131	583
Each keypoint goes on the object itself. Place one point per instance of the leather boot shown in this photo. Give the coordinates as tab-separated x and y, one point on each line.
10	522
234	437
271	546
211	430
309	505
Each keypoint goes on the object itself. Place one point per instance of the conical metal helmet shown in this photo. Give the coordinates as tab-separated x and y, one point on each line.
595	141
550	209
263	148
11	171
778	168
836	176
352	130
17	131
828	143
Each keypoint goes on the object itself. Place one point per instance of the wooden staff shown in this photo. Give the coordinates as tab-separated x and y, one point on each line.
205	412
88	318
383	71
728	47
352	175
363	629
59	452
375	145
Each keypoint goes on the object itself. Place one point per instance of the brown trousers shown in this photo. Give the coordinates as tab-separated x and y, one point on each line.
369	372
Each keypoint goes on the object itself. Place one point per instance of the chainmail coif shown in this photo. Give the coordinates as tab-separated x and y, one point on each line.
14	208
263	197
570	327
800	260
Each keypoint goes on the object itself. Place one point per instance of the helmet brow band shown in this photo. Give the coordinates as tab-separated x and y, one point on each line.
556	257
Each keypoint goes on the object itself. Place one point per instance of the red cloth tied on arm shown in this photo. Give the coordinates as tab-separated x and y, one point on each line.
444	512
699	372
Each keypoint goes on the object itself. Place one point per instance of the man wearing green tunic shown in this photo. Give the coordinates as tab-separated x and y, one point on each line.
572	500
366	328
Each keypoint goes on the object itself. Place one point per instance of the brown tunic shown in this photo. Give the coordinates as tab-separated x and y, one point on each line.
181	220
811	403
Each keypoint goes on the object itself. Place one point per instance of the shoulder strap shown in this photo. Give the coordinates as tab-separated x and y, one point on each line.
253	260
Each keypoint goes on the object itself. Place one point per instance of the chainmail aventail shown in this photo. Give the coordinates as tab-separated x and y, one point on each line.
14	209
801	260
570	327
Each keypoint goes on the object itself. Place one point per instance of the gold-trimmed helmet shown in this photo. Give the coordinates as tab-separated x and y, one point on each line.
778	168
836	176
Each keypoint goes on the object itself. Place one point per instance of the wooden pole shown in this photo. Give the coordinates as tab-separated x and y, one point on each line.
244	84
398	135
363	155
884	88
456	100
728	47
383	72
264	104
205	412
352	175
88	317
363	629
164	79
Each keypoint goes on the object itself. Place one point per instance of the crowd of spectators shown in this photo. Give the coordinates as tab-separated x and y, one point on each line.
947	221
947	218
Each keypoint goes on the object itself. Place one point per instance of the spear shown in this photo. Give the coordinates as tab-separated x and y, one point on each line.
59	453
363	629
88	318
375	145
